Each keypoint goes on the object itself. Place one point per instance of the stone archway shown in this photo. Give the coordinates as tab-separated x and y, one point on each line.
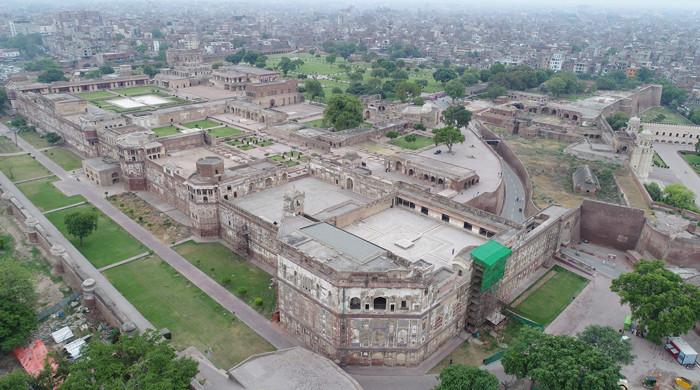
398	166
349	185
272	102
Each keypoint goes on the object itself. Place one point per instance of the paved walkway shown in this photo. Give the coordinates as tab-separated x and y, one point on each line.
514	202
273	334
679	171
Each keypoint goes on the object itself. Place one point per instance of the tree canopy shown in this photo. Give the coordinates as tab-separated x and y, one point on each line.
17	303
314	89
444	75
461	377
343	112
560	362
51	75
457	116
287	65
139	361
407	89
455	89
608	341
81	224
447	136
680	196
660	300
618	120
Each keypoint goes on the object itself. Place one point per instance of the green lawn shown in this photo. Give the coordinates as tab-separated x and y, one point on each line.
420	142
246	147
65	158
546	300
137	91
658	161
170	301
318	123
245	280
23	167
8	146
107	245
46	196
664	115
693	160
203	124
96	95
35	139
165	131
225	131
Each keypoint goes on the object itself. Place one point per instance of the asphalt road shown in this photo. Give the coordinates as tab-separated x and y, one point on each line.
515	195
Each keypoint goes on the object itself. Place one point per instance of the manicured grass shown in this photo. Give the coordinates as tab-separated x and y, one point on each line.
245	280
8	146
23	167
170	301
693	160
165	131
46	196
35	139
658	161
420	142
225	131
137	91
546	301
664	115
96	95
246	147
65	158
203	124
106	245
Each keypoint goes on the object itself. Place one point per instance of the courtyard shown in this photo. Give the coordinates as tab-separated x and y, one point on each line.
411	143
170	301
243	279
46	196
65	158
122	244
24	167
549	296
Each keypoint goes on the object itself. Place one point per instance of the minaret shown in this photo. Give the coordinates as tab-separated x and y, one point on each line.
643	152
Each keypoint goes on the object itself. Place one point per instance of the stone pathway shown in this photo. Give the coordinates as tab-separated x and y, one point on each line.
125	261
266	329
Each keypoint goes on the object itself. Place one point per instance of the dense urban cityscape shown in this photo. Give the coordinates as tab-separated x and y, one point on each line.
222	195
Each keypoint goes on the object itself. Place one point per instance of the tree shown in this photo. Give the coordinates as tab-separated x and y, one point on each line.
51	75
3	98
645	75
392	134
140	361
286	65
406	89
559	362
443	75
618	120
418	101
448	136
330	59
106	69
454	89
149	70
655	191
53	138
16	380
314	89
261	61
80	224
236	57
660	300
457	116
608	341
495	91
17	302
156	33
555	86
461	377
694	115
343	112
678	195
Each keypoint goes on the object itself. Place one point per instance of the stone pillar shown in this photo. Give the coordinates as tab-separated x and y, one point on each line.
88	288
30	229
58	252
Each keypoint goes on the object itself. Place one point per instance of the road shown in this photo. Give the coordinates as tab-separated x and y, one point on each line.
514	203
273	334
679	171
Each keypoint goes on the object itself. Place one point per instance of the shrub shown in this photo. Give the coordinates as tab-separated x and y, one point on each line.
226	281
392	134
258	302
242	291
419	126
411	138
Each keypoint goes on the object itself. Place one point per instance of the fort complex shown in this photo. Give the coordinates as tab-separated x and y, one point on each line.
379	257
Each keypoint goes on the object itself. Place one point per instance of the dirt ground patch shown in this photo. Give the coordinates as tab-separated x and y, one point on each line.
550	170
160	224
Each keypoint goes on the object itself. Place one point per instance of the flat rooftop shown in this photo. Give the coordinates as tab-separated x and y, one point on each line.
414	236
184	162
321	200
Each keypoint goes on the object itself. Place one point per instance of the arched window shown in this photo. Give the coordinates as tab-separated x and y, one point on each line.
355	303
380	303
